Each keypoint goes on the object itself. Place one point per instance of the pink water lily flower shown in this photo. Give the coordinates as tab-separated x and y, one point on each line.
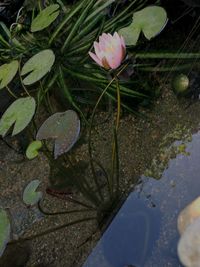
109	51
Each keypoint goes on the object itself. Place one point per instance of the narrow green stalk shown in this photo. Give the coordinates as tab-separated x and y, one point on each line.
10	92
116	160
20	77
115	131
91	123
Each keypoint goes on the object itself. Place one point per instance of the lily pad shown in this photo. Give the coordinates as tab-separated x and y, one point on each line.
19	113
8	72
4	230
45	18
30	196
32	149
150	20
64	128
38	66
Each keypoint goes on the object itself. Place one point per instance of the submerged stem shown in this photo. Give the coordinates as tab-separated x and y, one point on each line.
49	231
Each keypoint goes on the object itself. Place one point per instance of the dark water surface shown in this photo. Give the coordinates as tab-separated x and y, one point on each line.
144	232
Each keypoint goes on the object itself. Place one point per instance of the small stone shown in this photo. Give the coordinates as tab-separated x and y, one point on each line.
188	215
189	245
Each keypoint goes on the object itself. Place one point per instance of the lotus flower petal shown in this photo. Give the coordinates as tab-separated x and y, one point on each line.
109	51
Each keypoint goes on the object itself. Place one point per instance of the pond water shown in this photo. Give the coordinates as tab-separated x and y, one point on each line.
144	232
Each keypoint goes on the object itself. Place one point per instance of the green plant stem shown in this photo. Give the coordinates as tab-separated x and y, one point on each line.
20	77
115	136
91	123
51	230
11	93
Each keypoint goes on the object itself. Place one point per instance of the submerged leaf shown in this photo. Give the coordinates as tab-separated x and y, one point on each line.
30	196
64	128
150	20
38	66
45	18
8	72
32	149
4	230
18	113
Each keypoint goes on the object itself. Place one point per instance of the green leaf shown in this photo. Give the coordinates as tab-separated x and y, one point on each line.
8	72
150	20
30	196
18	113
32	149
38	66
64	128
4	230
45	18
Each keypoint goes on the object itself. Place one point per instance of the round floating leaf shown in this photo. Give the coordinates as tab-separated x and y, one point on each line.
45	18
32	149
30	196
150	20
8	72
64	128
4	230
38	66
18	113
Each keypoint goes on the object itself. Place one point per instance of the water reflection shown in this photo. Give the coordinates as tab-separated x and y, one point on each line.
144	232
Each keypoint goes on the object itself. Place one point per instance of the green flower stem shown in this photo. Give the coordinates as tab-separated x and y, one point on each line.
20	77
51	230
124	90
164	55
114	143
11	93
67	18
91	123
